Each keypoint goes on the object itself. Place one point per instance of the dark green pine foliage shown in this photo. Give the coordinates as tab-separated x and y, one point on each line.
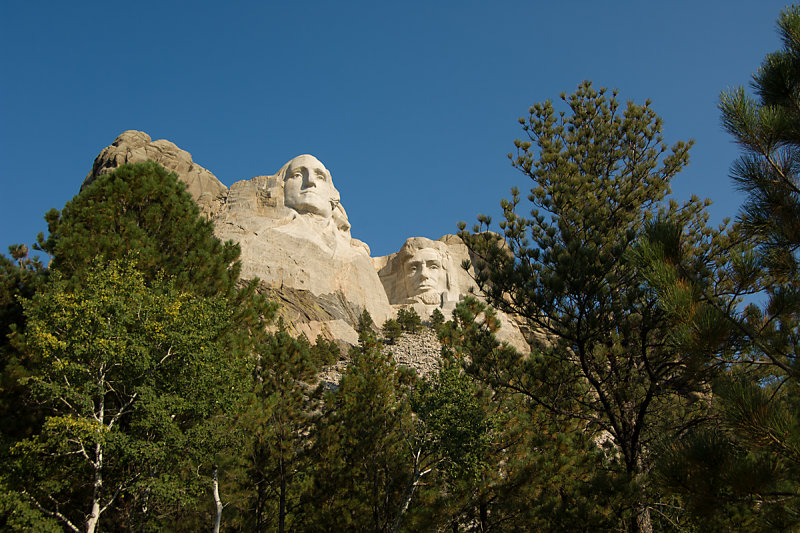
600	172
409	320
540	474
744	470
144	210
436	321
391	330
365	327
279	423
20	278
363	464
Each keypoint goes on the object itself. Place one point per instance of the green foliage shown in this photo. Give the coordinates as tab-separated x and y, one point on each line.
559	487
600	176
437	320
743	466
391	330
453	424
365	327
324	352
20	278
17	513
363	464
137	213
277	426
409	320
144	210
134	379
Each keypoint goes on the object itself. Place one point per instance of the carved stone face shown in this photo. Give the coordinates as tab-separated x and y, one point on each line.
425	276
308	187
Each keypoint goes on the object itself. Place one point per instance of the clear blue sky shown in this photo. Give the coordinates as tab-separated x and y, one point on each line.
412	106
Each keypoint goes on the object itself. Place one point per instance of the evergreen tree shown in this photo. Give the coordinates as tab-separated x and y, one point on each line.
20	277
365	327
600	173
279	424
541	474
143	209
436	320
746	466
391	330
363	466
409	320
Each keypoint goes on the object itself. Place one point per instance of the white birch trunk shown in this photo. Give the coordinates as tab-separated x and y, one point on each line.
217	502
97	486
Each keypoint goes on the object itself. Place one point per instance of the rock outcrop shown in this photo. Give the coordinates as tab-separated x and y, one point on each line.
136	146
295	238
294	233
427	275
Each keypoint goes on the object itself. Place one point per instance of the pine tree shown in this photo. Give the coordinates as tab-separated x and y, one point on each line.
20	278
437	320
409	320
557	488
363	466
600	173
391	330
365	327
279	424
141	209
744	468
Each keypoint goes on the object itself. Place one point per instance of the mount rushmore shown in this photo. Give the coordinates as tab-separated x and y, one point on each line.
295	238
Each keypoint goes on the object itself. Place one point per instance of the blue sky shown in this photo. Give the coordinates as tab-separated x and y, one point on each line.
412	106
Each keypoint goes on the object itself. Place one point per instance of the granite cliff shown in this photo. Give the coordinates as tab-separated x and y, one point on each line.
295	238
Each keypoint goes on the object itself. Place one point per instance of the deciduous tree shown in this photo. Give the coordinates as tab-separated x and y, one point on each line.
131	376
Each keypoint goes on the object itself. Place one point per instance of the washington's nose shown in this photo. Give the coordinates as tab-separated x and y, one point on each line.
310	179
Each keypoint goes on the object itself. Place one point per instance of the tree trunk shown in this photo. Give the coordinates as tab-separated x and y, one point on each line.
643	523
406	501
217	501
282	500
97	485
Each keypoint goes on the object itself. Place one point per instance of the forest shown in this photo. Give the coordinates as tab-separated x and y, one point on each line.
144	387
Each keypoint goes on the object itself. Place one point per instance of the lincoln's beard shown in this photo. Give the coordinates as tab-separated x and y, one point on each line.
429	298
